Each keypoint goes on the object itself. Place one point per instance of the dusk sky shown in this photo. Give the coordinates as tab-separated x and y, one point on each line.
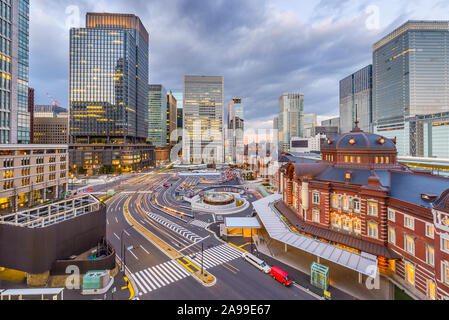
262	47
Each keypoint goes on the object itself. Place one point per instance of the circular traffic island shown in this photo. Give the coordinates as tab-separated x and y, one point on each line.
218	199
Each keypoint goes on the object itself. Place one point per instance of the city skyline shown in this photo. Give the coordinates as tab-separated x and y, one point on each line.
257	75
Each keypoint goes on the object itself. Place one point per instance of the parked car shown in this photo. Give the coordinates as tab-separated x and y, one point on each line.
281	276
258	263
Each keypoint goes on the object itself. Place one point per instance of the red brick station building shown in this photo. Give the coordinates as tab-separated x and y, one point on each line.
359	198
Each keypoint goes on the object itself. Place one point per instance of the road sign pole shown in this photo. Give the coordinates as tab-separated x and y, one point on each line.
202	258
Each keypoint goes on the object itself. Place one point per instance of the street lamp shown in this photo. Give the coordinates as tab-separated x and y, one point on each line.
122	248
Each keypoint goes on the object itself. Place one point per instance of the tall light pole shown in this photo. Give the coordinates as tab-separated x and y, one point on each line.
122	244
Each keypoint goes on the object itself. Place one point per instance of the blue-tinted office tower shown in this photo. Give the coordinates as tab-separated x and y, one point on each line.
109	71
410	78
356	95
14	65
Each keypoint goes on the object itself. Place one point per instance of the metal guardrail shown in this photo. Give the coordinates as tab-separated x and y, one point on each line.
49	214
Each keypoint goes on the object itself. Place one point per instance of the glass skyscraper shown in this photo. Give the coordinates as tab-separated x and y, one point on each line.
410	78
356	92
203	114
109	80
234	146
291	118
157	115
108	92
14	67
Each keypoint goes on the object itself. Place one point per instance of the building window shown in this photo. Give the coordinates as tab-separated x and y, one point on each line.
430	230
316	198
410	273
409	222
392	235
430	255
391	215
445	272
409	244
372	209
373	230
315	215
445	245
335	201
431	290
345	202
357	205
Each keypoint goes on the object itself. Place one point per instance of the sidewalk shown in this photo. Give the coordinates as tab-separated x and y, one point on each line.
344	283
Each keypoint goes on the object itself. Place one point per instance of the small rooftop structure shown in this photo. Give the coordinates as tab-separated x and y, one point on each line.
242	223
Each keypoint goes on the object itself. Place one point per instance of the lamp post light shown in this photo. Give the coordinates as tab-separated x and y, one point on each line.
122	248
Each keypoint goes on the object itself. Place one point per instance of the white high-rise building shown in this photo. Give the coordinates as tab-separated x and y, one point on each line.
235	136
203	117
291	118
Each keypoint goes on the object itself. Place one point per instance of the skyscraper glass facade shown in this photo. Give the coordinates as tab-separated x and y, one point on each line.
203	114
23	123
234	146
109	80
356	93
411	78
291	118
6	73
157	115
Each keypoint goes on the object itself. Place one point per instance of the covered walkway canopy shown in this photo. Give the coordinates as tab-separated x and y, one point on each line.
42	292
278	230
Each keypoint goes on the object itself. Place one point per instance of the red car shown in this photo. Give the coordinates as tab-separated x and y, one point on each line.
281	276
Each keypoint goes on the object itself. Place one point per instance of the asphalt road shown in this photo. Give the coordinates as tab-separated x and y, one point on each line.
159	277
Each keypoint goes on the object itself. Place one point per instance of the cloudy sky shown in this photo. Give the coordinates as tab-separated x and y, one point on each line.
262	47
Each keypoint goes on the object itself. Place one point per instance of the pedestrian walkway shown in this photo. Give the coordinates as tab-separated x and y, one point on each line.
200	223
175	227
159	276
216	256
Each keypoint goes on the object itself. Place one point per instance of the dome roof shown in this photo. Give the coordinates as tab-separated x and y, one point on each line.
358	140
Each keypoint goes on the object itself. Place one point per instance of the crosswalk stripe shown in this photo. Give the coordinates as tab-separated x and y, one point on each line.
174	275
148	280
182	269
232	251
213	259
156	283
161	275
219	255
170	266
156	276
141	285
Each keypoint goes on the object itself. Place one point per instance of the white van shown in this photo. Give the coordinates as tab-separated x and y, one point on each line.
259	264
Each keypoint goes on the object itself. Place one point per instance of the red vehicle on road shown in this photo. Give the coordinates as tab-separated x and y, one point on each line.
281	276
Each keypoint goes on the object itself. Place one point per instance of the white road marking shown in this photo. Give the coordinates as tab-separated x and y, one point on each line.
144	249
116	220
116	236
133	254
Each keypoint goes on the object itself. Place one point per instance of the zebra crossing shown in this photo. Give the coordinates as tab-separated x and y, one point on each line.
216	256
159	276
200	224
175	227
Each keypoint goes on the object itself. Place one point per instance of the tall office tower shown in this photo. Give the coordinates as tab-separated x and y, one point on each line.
31	112
14	56
411	77
356	92
203	115
178	96
157	115
172	119
109	70
276	123
310	122
235	128
291	118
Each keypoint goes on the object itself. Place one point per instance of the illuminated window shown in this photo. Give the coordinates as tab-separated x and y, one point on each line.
345	202
445	272
430	230
409	244
373	230
410	273
316	198
359	160
431	290
445	245
316	215
372	209
335	202
356	204
391	235
430	255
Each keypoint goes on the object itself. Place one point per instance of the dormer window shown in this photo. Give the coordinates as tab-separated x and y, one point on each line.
348	176
329	141
352	141
381	141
